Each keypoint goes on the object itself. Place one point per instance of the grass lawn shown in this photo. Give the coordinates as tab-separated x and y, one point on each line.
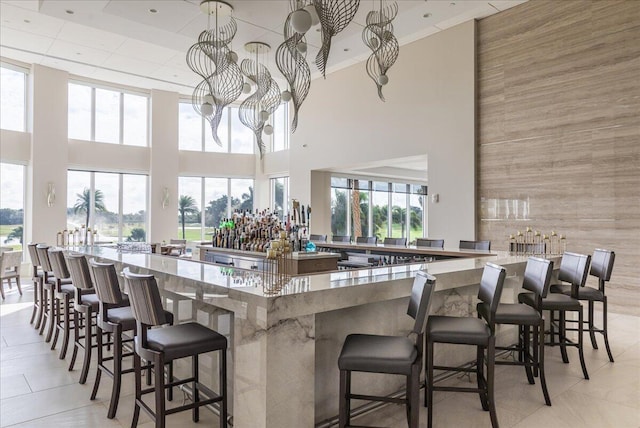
6	229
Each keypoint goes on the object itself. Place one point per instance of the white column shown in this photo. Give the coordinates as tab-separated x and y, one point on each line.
46	198
164	167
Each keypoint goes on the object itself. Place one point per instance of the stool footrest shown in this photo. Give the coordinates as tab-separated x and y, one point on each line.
199	403
377	398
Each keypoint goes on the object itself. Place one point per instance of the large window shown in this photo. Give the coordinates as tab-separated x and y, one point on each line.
195	132
98	200
108	116
12	205
280	195
13	97
205	201
388	209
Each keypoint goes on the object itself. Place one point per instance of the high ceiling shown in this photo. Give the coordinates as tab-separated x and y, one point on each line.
143	43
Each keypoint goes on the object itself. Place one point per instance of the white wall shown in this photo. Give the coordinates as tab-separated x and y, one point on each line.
49	148
430	109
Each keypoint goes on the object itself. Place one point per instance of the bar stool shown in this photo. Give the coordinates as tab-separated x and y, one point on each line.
430	243
341	238
163	345
115	317
468	331
573	269
475	245
64	297
85	309
601	267
37	276
369	240
537	276
48	291
396	355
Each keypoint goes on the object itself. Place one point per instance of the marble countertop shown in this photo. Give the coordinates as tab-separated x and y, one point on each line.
304	294
297	255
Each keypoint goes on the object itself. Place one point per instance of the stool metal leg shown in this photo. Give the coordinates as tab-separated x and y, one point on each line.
539	333
491	358
195	415
563	336
345	390
604	328
527	353
67	329
223	387
580	346
87	347
482	385
428	394
592	328
138	378
96	382
159	391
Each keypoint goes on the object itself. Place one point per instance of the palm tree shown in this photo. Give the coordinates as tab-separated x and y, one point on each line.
83	204
15	234
186	205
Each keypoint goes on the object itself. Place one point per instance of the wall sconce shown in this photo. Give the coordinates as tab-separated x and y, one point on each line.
51	194
165	197
435	198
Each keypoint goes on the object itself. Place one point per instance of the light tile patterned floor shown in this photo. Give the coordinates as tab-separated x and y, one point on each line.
37	390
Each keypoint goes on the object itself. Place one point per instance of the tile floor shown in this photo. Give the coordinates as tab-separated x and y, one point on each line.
36	390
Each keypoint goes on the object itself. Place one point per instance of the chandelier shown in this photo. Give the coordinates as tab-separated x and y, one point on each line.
211	57
378	36
256	110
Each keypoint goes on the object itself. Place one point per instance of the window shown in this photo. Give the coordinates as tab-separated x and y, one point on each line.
12	205
386	209
98	201
195	132
13	95
207	201
280	196
107	115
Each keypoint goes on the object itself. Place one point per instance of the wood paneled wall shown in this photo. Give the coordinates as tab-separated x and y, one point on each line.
559	130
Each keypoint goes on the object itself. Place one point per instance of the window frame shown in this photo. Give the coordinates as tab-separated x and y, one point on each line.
121	92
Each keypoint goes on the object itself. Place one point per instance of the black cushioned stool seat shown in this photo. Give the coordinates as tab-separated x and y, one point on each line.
468	331
512	313
553	302
395	355
163	345
584	293
462	331
184	340
378	354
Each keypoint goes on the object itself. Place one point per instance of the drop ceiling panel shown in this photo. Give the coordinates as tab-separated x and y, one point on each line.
104	40
136	66
171	16
19	55
26	41
149	52
75	52
29	21
505	4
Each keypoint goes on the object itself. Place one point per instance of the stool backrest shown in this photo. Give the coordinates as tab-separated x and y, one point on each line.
33	254
145	298
58	265
537	276
431	243
475	245
373	240
79	270
602	265
341	238
491	287
420	300
43	257
573	269
395	241
318	238
106	282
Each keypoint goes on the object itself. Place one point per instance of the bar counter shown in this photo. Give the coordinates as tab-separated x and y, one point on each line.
284	348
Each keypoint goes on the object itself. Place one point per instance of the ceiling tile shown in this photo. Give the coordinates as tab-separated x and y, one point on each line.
147	51
91	37
25	41
170	16
129	64
29	21
75	52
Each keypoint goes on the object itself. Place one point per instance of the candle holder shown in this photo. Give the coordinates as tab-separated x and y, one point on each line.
277	265
533	242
